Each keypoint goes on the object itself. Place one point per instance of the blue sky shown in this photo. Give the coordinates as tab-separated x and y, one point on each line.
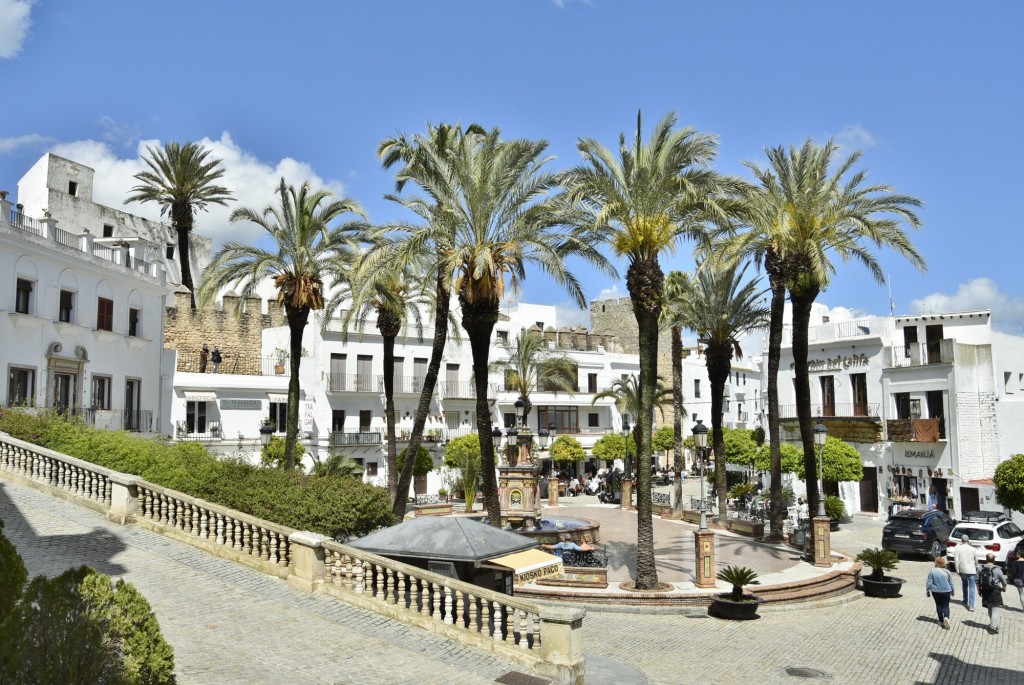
932	93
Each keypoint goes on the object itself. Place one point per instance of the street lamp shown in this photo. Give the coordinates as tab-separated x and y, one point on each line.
700	441
520	408
496	437
820	435
542	438
266	432
628	460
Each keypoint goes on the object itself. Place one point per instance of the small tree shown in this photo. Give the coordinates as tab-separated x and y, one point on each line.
566	450
463	453
613	446
740	447
664	439
12	574
1009	480
424	462
273	455
791	458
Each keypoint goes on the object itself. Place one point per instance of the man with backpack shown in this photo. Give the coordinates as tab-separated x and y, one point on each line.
992	584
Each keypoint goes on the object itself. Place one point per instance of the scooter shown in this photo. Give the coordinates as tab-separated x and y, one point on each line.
610	497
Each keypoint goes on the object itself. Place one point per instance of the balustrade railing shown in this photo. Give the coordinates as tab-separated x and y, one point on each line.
26	223
856	410
67	474
65	238
355	382
233	363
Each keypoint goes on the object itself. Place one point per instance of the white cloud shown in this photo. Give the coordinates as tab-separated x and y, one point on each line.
837	314
15	21
14	142
568	315
855	137
612	293
250	180
980	293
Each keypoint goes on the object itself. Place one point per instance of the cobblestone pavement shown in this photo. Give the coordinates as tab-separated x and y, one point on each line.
229	624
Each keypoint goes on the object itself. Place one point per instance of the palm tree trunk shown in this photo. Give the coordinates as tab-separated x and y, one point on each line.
181	219
389	410
679	462
441	307
297	319
803	302
645	281
718	361
479	320
777	283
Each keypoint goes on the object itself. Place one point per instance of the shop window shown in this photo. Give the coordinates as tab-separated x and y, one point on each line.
279	416
195	416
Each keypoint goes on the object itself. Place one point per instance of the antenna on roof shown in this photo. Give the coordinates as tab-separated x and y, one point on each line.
892	306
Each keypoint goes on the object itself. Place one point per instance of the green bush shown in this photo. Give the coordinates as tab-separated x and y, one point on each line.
12	575
273	454
834	508
316	503
566	450
424	462
880	561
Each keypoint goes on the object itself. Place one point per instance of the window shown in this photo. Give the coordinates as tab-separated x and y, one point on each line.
933	399
23	296
503	337
744	379
365	416
108	231
371	469
540	325
1008	382
105	315
859	385
195	416
565	419
694	417
902	400
337	376
21	386
279	416
696	387
509	419
67	305
591	382
338	420
725	405
72	188
828	395
101	392
170	251
593	420
364	377
134	321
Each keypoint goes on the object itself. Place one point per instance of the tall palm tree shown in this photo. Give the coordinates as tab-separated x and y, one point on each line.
720	308
626	393
528	365
492	197
397	295
182	181
641	202
820	210
424	161
305	254
677	285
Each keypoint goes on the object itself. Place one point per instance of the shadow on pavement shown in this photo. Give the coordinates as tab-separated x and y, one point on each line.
953	670
51	555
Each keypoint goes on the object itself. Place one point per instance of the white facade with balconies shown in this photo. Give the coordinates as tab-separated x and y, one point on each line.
932	402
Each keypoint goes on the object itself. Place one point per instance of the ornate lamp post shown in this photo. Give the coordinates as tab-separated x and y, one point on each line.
700	441
627	477
496	439
520	408
542	437
820	436
266	433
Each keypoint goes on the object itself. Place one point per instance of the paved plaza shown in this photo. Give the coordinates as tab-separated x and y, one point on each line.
229	624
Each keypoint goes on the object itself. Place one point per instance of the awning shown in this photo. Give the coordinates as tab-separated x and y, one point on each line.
205	396
529	565
277	397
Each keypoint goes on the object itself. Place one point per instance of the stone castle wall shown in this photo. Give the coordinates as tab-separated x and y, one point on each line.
237	334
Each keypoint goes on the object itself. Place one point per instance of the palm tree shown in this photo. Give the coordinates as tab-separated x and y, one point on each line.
181	180
528	365
626	393
641	202
677	285
721	309
305	254
397	296
819	210
490	200
424	162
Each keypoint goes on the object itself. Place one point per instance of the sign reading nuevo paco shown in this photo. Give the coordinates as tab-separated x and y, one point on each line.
837	363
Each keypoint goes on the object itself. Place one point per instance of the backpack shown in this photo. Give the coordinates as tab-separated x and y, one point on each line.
987	579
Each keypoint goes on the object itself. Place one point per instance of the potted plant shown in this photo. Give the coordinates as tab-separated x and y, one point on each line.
282	354
835	510
442	494
877	584
736	606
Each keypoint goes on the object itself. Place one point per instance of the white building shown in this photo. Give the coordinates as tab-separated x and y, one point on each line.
932	402
81	323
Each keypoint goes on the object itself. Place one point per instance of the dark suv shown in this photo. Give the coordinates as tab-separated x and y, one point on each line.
918	530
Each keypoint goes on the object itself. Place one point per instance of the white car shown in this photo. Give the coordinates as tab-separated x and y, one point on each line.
989	533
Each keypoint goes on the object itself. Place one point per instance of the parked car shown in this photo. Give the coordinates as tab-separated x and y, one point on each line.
989	532
919	531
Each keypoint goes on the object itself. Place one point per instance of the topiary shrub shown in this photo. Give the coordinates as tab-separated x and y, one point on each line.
12	574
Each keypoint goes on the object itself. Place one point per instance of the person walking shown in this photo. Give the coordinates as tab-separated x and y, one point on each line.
992	584
1015	573
204	355
216	359
966	560
939	585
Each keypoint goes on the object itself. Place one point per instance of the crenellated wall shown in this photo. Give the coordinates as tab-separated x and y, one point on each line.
238	334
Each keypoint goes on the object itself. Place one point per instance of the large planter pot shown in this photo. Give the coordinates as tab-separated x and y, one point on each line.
722	606
833	525
887	587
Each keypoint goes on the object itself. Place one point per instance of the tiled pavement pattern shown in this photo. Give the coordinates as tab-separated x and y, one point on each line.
232	625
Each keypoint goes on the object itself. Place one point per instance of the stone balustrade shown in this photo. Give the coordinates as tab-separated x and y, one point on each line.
547	639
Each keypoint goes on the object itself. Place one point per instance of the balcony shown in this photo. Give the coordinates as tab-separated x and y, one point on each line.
354	382
458	390
742	416
200	431
231	363
406	385
342	439
920	354
916	430
833	411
